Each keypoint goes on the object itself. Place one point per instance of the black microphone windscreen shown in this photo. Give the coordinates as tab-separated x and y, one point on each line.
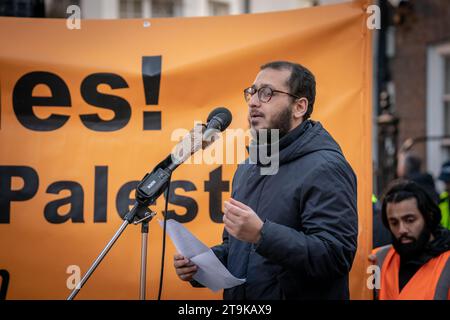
224	114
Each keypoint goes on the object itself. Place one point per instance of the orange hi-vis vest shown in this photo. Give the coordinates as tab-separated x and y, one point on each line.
430	282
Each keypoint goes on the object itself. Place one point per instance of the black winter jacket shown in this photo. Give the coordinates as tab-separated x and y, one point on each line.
309	208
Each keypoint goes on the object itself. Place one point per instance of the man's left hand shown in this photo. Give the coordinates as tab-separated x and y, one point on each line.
241	221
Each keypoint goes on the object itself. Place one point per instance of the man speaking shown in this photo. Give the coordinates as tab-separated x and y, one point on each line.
293	234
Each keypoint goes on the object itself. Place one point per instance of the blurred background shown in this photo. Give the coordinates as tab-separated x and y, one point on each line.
411	78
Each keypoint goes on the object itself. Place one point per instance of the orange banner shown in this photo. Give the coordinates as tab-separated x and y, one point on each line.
86	113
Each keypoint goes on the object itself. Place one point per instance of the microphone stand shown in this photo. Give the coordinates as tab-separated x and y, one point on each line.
148	190
144	239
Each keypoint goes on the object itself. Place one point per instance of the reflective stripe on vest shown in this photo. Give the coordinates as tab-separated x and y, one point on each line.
380	253
374	199
430	282
445	212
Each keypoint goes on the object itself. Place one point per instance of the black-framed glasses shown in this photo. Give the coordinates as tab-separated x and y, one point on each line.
264	93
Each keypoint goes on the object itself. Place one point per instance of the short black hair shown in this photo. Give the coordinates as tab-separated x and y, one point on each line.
301	83
400	190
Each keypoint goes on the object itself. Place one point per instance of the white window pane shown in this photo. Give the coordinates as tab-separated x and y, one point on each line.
166	8
217	8
447	118
447	75
130	8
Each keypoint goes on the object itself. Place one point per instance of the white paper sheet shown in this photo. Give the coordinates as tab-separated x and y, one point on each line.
211	272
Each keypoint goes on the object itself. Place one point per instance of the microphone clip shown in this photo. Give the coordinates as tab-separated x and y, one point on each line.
152	186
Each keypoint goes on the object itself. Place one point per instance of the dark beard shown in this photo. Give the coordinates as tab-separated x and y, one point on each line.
408	251
282	122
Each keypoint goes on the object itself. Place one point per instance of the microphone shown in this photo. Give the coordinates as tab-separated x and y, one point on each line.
200	137
190	144
220	118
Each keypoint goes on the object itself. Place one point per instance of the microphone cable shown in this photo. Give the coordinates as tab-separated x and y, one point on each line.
163	250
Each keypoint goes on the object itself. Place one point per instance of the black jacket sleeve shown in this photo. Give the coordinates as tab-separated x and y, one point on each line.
325	245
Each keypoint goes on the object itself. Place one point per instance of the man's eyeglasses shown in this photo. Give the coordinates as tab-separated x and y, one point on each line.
264	93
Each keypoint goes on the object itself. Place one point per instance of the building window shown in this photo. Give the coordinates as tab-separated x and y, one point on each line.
150	8
166	8
219	8
446	98
131	9
57	9
438	106
447	76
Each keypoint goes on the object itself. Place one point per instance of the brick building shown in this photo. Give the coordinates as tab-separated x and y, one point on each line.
415	72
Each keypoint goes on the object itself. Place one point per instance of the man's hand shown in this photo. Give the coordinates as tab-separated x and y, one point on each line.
184	268
241	221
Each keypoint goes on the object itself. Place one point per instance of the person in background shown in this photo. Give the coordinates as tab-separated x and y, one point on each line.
416	266
409	167
444	198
